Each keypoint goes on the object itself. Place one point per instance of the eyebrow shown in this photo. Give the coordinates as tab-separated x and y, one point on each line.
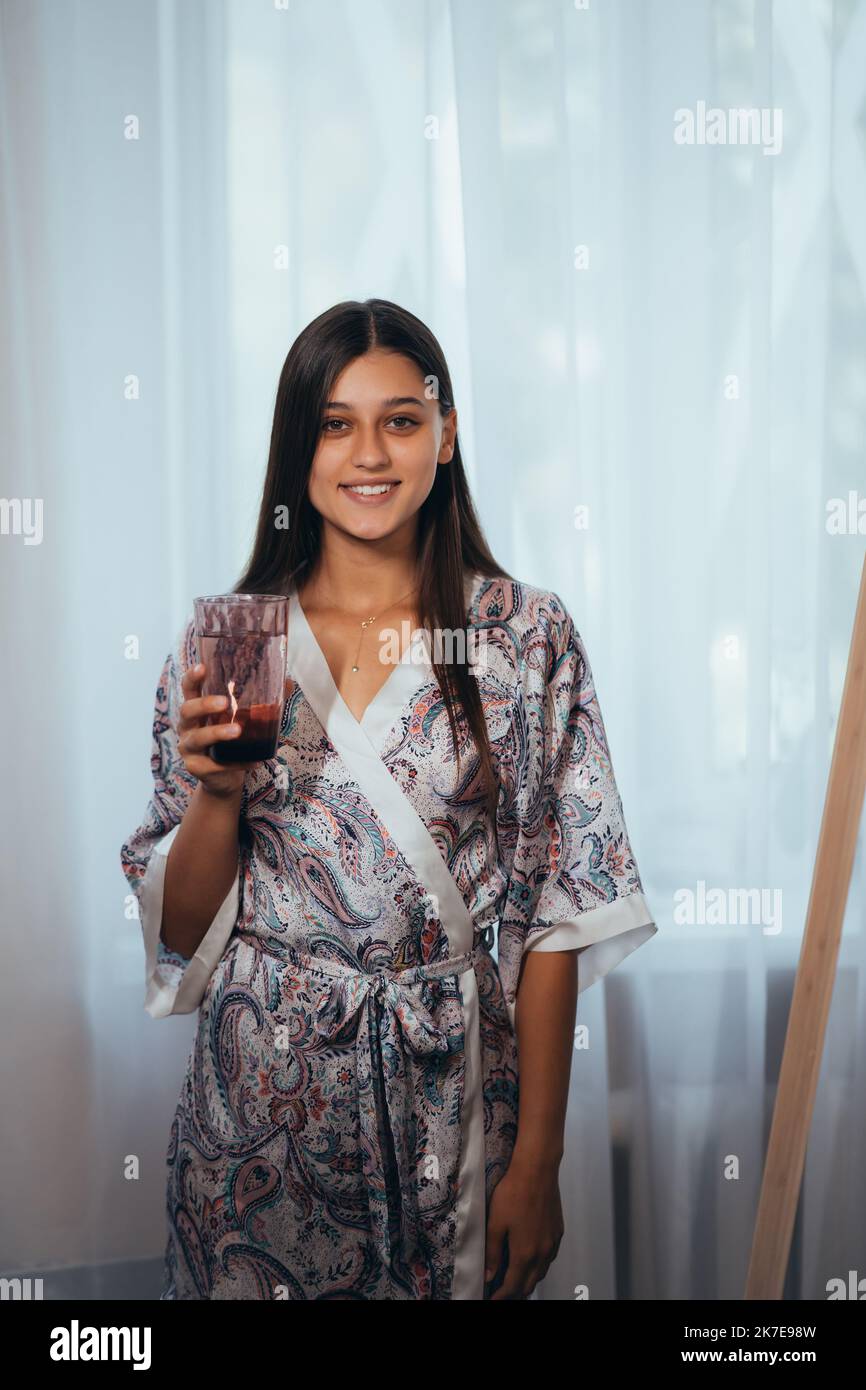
392	400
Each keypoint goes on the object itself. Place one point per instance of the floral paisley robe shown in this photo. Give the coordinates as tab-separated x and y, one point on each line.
350	1098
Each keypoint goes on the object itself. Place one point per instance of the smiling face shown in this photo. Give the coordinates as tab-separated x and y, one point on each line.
380	443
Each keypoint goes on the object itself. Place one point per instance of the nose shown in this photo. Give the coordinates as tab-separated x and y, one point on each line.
369	450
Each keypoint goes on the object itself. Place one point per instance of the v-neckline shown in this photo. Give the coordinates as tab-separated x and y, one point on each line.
305	658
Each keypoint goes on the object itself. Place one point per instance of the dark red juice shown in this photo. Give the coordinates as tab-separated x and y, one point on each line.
246	667
260	731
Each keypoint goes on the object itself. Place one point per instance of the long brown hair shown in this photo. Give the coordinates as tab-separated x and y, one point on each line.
450	539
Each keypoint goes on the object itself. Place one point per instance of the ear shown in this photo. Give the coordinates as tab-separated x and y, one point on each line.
449	436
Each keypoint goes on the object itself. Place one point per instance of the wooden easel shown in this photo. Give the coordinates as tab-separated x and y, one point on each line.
813	987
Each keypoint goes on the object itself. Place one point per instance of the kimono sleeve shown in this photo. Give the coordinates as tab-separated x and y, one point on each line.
575	882
174	984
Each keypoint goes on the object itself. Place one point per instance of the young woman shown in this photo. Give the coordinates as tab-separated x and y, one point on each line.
380	927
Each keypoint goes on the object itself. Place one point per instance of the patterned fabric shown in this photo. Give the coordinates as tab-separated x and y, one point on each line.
170	965
316	1145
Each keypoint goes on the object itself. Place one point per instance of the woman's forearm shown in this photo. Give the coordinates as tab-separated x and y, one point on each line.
201	867
545	1016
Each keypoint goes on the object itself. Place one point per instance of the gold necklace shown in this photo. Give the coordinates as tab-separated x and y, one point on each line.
366	622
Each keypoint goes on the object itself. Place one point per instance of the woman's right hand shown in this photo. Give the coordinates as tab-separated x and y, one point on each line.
196	736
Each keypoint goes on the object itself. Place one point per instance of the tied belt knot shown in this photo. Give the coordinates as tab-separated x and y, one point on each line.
340	1009
384	1014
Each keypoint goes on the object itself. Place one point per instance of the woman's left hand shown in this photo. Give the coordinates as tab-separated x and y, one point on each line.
525	1207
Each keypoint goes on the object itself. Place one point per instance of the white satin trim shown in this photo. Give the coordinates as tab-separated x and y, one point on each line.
604	936
163	996
354	742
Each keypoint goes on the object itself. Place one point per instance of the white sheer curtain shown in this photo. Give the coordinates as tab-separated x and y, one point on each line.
666	335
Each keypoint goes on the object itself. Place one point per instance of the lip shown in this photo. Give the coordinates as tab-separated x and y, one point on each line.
377	499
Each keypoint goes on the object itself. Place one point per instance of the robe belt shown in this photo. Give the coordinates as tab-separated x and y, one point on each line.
385	1013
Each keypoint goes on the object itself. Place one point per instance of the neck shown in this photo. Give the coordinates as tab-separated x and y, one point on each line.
361	577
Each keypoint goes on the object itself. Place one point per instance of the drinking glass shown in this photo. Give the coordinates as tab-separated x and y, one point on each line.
241	638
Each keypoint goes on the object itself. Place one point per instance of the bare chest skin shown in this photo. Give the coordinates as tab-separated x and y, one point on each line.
339	638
